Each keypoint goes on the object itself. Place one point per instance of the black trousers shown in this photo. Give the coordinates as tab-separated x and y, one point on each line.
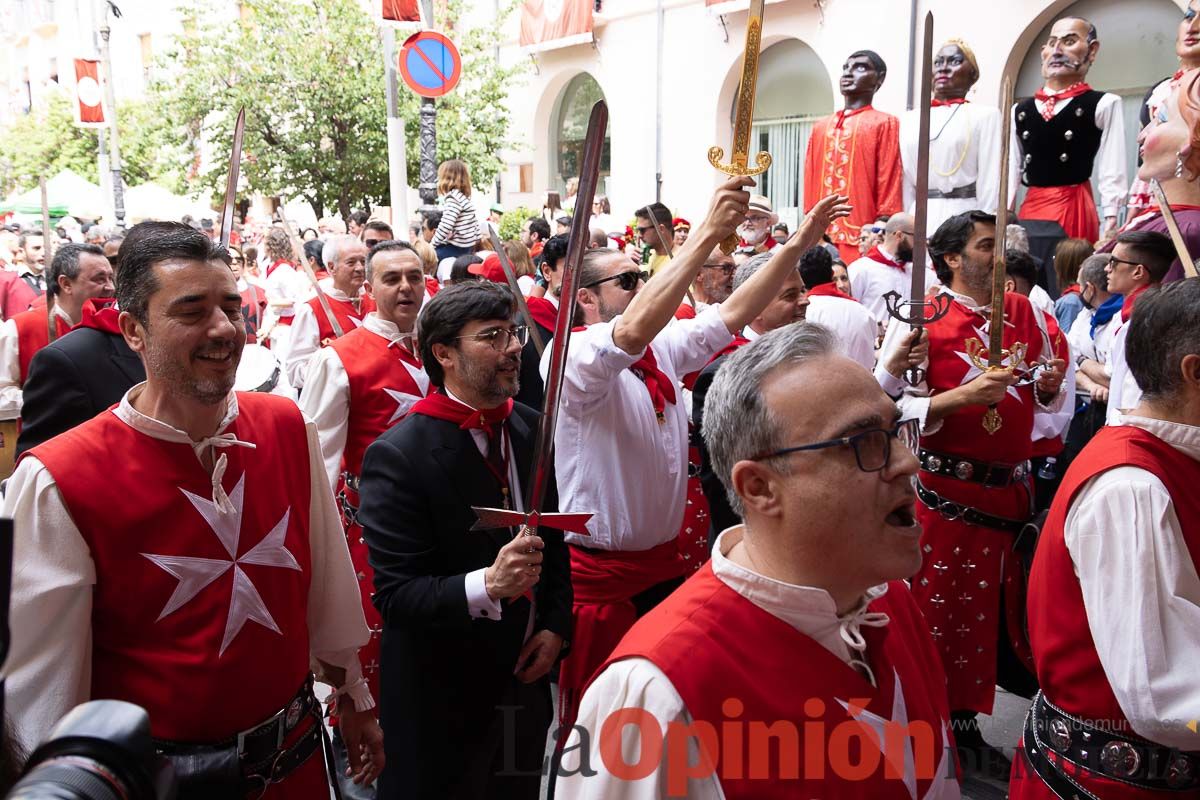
507	763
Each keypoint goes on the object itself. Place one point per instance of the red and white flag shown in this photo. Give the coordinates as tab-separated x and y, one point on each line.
401	10
89	107
546	22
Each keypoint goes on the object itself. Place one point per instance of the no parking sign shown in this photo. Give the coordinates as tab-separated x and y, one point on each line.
430	64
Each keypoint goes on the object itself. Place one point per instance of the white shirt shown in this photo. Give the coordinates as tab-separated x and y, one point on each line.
853	324
638	683
964	149
283	286
306	338
1081	340
914	400
326	398
612	456
1041	299
48	671
10	366
1141	591
870	281
1109	169
1124	394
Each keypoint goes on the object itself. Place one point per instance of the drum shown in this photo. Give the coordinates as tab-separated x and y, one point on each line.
8	447
258	371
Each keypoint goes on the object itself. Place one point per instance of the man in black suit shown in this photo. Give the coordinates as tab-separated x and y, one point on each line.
473	620
74	378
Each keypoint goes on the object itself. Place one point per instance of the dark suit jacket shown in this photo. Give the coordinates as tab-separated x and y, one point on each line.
73	379
533	388
444	672
720	514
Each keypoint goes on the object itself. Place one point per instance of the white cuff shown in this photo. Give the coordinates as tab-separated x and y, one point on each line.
890	383
479	603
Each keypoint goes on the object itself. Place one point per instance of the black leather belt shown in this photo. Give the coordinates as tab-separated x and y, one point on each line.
1081	746
252	760
972	516
967	192
968	469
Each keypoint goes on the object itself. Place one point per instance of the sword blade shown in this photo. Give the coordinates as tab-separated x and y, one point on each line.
1189	266
996	332
510	275
921	217
744	113
48	255
589	174
235	168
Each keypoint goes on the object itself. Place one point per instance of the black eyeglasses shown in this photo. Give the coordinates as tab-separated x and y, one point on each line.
626	281
1115	260
500	338
236	259
872	449
726	268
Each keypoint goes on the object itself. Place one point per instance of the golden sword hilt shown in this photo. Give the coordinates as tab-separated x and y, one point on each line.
737	168
977	353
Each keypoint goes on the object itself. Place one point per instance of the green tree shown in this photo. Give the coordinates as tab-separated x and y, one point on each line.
310	75
45	142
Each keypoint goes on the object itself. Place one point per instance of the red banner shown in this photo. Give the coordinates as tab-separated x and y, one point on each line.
401	10
545	21
89	106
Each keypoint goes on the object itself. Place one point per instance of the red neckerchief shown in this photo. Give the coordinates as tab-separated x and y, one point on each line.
875	254
685	311
843	114
689	380
953	101
100	313
275	265
543	312
1130	300
1050	100
766	244
431	285
662	390
828	290
441	406
1072	289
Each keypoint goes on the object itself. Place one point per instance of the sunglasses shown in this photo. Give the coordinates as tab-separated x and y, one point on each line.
626	281
372	242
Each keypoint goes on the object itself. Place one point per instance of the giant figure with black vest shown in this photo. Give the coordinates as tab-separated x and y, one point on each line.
1066	133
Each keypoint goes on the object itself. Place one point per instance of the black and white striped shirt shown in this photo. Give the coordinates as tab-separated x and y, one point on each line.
459	225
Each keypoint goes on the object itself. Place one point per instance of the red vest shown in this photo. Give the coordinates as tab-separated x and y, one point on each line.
1064	652
348	316
385	381
208	646
33	334
719	650
962	432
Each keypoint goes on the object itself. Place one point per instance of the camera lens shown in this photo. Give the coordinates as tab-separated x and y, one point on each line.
70	778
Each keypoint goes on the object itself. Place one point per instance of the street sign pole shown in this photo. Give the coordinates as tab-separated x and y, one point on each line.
431	66
427	188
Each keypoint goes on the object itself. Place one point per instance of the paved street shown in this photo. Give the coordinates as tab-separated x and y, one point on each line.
1001	730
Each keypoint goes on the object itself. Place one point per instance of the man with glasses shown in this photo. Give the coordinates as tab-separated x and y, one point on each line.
886	267
801	623
77	273
714	282
1091	334
654	226
472	620
1139	261
755	232
974	485
621	444
376	231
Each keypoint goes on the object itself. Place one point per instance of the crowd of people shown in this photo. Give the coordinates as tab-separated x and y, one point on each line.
803	536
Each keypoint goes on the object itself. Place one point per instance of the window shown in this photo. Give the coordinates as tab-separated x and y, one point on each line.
570	130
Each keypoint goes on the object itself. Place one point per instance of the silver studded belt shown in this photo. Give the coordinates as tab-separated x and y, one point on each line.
968	469
1084	747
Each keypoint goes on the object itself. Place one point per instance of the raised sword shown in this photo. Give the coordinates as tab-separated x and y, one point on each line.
743	121
917	311
543	461
510	275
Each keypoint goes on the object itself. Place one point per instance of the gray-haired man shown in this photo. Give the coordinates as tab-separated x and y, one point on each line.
801	615
345	257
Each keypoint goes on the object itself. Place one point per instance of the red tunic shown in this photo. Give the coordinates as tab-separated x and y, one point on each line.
385	381
855	153
348	316
198	616
718	649
33	334
1068	667
958	586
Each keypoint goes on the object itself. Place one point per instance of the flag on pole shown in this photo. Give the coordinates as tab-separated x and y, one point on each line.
401	10
89	108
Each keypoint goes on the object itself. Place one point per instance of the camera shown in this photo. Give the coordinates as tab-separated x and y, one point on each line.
101	750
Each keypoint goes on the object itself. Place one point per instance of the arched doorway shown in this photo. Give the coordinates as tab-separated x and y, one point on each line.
793	92
568	129
1137	50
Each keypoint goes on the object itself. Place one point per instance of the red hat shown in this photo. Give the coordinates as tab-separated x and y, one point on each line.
679	223
490	269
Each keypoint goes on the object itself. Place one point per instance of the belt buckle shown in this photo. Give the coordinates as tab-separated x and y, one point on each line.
950	511
277	719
